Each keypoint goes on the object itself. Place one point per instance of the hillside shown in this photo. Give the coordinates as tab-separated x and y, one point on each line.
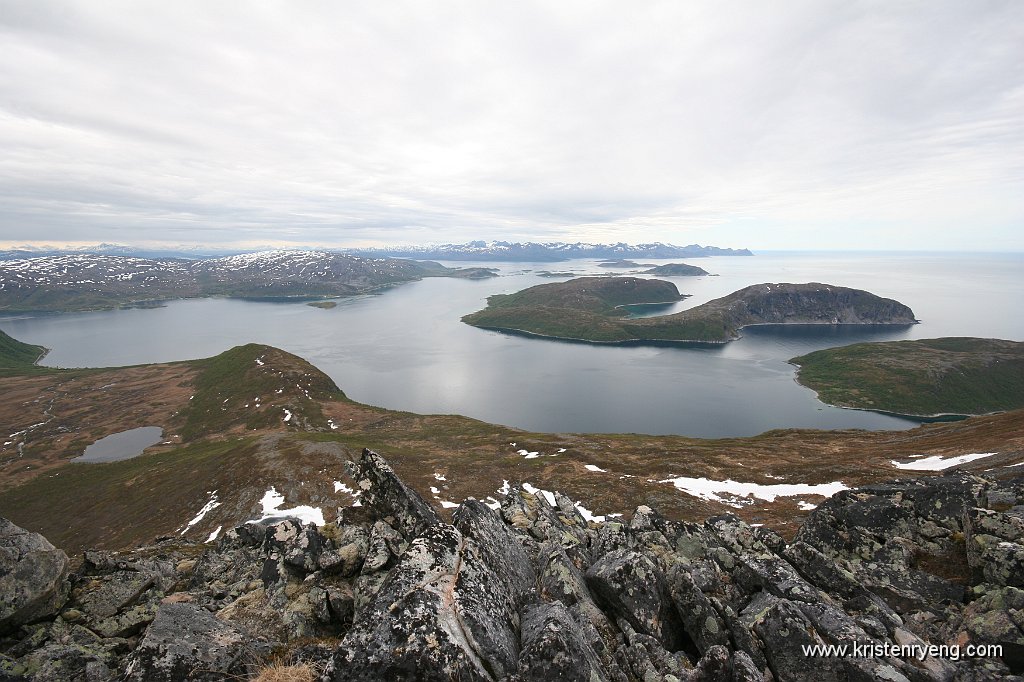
558	310
15	355
85	282
923	377
256	418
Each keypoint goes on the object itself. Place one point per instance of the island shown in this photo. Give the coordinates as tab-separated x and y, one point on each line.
924	378
596	310
325	305
676	270
622	263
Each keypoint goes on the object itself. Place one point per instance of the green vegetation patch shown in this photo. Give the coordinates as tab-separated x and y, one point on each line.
19	358
957	375
124	500
229	382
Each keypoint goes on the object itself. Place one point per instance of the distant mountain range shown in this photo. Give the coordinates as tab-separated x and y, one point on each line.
553	251
474	250
90	281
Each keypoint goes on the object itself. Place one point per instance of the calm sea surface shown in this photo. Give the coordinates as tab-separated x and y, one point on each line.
406	349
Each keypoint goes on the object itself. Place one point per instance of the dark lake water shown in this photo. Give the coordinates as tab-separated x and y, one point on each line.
123	445
406	348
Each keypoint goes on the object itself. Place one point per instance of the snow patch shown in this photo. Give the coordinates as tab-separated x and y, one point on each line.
594	467
527	454
272	501
439	477
550	496
214	534
587	514
706	489
938	463
209	506
287	416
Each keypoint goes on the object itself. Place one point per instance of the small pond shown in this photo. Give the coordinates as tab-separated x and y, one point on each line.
123	445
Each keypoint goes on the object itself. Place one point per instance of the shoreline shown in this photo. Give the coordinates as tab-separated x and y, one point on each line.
938	417
683	342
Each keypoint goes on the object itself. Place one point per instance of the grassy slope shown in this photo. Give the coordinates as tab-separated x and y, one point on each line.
925	377
229	381
121	503
19	358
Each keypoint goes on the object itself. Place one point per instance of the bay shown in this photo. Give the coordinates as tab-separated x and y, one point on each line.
406	349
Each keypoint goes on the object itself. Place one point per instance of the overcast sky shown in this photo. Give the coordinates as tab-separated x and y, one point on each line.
866	125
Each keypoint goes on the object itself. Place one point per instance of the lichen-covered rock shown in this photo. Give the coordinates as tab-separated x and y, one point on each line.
699	617
394	502
629	585
441	614
185	642
348	554
32	576
500	548
555	648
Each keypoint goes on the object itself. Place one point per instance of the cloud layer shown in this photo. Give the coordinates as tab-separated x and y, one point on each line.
815	125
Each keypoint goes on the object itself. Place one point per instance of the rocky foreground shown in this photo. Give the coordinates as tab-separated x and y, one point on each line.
531	591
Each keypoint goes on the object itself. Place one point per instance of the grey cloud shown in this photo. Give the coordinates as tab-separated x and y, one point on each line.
399	122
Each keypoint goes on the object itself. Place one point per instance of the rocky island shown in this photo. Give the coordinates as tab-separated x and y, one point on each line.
592	309
676	270
927	377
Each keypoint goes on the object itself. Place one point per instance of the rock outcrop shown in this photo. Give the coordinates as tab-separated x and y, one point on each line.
912	580
32	577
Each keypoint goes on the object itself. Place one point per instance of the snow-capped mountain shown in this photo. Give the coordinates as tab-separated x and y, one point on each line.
83	281
553	251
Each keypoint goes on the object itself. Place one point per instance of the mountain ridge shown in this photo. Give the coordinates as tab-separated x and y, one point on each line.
86	281
924	574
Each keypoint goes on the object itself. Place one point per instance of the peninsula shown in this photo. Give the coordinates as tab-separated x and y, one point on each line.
926	378
595	309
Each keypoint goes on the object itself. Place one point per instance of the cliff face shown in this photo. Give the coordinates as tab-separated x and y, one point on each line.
531	591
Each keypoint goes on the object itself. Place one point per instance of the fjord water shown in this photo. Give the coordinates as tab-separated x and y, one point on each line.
406	348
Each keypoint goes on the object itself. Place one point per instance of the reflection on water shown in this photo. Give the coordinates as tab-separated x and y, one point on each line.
406	348
123	445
